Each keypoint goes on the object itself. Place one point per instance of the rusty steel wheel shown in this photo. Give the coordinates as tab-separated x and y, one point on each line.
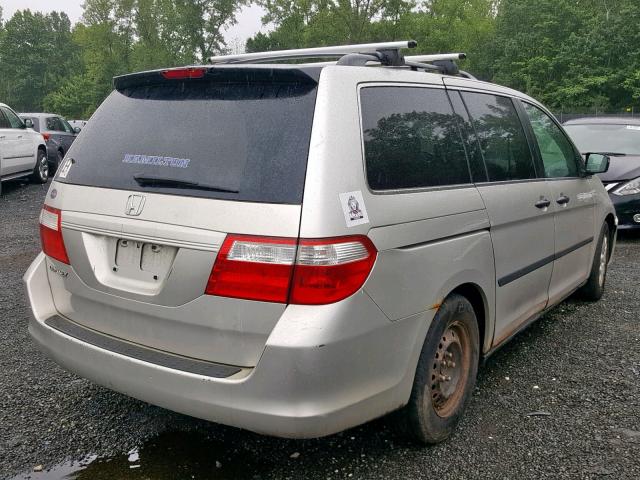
446	372
450	369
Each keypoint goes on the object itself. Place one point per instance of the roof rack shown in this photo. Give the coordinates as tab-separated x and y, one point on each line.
319	52
384	53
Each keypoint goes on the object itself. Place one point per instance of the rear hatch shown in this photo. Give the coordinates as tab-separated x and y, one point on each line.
170	164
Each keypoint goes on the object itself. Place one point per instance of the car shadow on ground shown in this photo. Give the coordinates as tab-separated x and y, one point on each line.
14	188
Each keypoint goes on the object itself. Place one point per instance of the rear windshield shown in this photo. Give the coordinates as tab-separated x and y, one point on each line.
246	142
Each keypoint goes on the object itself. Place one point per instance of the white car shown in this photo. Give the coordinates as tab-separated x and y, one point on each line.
22	150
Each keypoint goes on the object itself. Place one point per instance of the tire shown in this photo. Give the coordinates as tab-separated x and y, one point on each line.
446	373
41	170
594	288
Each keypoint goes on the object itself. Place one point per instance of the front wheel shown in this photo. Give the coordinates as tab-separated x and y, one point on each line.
594	288
446	372
41	170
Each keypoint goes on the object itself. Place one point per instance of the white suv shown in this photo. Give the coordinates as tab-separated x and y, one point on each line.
22	150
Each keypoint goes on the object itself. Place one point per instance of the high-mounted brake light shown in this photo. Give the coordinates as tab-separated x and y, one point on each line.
51	234
184	73
307	272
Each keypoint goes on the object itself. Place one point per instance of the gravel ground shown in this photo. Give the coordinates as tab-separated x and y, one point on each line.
579	367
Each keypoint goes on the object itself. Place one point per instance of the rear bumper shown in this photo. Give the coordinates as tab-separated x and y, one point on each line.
324	369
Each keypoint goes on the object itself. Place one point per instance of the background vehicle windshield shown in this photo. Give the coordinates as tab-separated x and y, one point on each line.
606	138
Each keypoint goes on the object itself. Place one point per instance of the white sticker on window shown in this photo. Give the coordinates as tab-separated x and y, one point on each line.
633	127
64	171
355	213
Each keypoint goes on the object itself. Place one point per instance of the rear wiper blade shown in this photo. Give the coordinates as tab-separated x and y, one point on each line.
152	181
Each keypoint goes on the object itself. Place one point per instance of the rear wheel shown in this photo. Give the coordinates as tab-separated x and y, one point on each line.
41	170
594	288
446	372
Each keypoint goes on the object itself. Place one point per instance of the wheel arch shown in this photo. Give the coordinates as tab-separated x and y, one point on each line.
611	222
476	295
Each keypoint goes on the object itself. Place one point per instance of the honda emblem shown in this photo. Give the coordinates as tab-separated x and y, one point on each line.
135	204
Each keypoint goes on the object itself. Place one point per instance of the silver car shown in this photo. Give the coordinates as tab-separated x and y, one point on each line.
297	249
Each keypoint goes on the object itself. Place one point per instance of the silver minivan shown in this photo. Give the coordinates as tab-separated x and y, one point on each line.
296	249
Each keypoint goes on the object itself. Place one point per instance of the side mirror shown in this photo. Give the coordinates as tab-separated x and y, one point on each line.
596	163
77	130
28	123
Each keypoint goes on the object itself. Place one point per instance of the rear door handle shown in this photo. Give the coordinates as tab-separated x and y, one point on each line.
543	203
562	200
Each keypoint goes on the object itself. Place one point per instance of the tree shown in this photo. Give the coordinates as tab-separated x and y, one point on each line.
76	98
569	54
437	25
329	22
36	52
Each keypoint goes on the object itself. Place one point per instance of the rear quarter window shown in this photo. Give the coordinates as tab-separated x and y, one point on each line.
411	138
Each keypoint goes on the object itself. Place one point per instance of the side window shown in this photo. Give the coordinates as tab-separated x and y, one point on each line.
56	124
503	143
411	139
4	123
14	120
50	123
65	125
558	155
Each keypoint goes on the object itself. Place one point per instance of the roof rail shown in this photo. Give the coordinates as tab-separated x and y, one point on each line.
319	52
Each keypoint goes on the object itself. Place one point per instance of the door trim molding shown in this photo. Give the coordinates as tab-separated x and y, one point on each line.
511	277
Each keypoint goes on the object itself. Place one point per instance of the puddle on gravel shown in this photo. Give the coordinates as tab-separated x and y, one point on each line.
169	456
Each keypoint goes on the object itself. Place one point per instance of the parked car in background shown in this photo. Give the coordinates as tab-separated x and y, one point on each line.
23	152
57	132
620	138
78	123
343	242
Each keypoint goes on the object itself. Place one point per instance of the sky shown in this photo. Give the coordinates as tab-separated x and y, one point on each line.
248	18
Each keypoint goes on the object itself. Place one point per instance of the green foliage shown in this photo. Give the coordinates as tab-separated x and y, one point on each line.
46	64
74	99
570	54
35	53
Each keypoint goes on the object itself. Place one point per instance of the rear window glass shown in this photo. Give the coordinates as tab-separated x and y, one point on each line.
411	139
231	141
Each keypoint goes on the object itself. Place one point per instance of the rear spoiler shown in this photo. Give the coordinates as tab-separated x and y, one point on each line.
225	74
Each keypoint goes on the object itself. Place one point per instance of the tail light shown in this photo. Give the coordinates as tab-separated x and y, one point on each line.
51	234
46	136
306	272
253	268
